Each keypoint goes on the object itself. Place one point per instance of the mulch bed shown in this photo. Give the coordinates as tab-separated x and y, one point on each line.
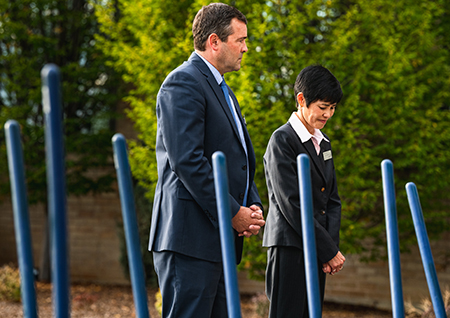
104	301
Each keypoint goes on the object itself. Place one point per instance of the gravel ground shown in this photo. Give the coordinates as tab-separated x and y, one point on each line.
100	301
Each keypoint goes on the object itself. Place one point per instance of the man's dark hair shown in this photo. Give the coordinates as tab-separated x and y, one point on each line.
318	83
214	18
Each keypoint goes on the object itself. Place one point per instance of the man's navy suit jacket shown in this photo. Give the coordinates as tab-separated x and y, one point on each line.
194	121
283	221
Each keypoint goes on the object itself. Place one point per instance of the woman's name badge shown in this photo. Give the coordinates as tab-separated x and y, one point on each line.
327	155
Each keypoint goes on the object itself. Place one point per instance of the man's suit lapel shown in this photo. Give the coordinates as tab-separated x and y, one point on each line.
198	62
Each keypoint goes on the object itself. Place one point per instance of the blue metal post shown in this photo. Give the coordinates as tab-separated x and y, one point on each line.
395	274
21	218
130	225
309	238
425	250
51	98
226	234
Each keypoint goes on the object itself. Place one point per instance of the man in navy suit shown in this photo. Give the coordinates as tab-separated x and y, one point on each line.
317	93
198	115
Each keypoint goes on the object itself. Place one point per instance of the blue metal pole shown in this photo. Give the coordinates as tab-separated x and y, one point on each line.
51	99
130	225
425	250
309	238
226	234
21	218
395	274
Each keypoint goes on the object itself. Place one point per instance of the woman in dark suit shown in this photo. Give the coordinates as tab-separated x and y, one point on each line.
317	93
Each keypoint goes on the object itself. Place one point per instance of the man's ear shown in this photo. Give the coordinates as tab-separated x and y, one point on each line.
213	41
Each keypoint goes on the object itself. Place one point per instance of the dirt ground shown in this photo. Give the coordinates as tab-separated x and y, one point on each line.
100	301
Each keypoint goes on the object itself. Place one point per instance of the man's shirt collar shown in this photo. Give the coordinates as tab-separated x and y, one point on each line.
213	70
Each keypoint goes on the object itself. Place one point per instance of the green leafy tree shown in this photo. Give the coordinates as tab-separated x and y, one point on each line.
32	34
146	40
393	63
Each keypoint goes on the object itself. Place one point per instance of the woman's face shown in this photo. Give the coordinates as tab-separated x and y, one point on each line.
316	115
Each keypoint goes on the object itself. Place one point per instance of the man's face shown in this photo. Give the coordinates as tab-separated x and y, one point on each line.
233	49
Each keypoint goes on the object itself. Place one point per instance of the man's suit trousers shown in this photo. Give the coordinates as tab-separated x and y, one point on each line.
191	287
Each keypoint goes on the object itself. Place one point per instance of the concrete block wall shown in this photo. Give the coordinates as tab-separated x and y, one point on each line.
94	246
368	283
94	239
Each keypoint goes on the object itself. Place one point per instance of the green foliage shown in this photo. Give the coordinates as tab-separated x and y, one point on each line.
32	34
9	283
392	60
146	40
158	302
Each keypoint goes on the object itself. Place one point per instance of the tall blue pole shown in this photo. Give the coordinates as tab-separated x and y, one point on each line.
309	238
425	250
51	99
226	234
21	218
390	210
130	225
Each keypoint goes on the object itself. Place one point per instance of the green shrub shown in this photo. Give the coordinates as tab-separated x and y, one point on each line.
9	283
158	302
